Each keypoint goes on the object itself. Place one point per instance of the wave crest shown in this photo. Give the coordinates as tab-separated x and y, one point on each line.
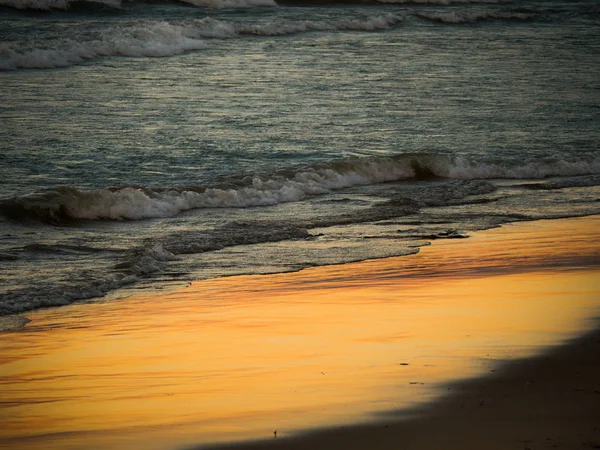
458	17
230	3
444	2
375	23
47	5
160	39
66	203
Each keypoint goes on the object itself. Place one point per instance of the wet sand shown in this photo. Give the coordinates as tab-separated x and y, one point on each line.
387	344
551	401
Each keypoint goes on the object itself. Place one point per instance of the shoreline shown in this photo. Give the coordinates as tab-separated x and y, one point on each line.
546	401
234	359
17	320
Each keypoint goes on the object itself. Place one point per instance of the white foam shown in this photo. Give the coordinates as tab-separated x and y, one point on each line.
456	17
60	294
132	203
54	4
154	40
138	203
444	2
160	39
464	169
230	3
375	23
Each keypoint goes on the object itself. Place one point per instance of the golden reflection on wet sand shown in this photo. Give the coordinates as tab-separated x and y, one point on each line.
240	357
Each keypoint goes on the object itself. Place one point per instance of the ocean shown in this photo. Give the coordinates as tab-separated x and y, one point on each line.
145	145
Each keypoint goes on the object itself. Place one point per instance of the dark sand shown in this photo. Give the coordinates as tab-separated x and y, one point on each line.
548	402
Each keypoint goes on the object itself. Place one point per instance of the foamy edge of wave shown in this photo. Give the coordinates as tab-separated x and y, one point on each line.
138	203
133	203
163	39
445	2
47	5
231	3
155	40
463	168
456	17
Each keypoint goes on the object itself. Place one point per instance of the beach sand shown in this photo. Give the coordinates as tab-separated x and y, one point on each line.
551	401
472	344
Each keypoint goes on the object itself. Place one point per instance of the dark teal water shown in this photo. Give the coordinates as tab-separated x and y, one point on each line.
150	144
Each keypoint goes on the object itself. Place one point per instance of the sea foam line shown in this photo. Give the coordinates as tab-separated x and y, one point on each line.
456	17
46	5
445	2
155	39
160	39
230	3
65	203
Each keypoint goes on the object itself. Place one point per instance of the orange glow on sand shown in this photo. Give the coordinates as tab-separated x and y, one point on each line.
237	358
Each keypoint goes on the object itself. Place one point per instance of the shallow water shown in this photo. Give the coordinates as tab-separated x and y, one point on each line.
237	358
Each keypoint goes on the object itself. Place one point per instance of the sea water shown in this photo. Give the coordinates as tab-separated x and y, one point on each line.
148	144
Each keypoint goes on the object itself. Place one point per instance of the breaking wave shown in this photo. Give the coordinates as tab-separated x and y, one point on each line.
458	17
230	3
375	23
371	2
114	268
67	203
444	2
160	39
47	5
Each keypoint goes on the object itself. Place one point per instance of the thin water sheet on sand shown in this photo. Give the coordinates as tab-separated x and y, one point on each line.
235	359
